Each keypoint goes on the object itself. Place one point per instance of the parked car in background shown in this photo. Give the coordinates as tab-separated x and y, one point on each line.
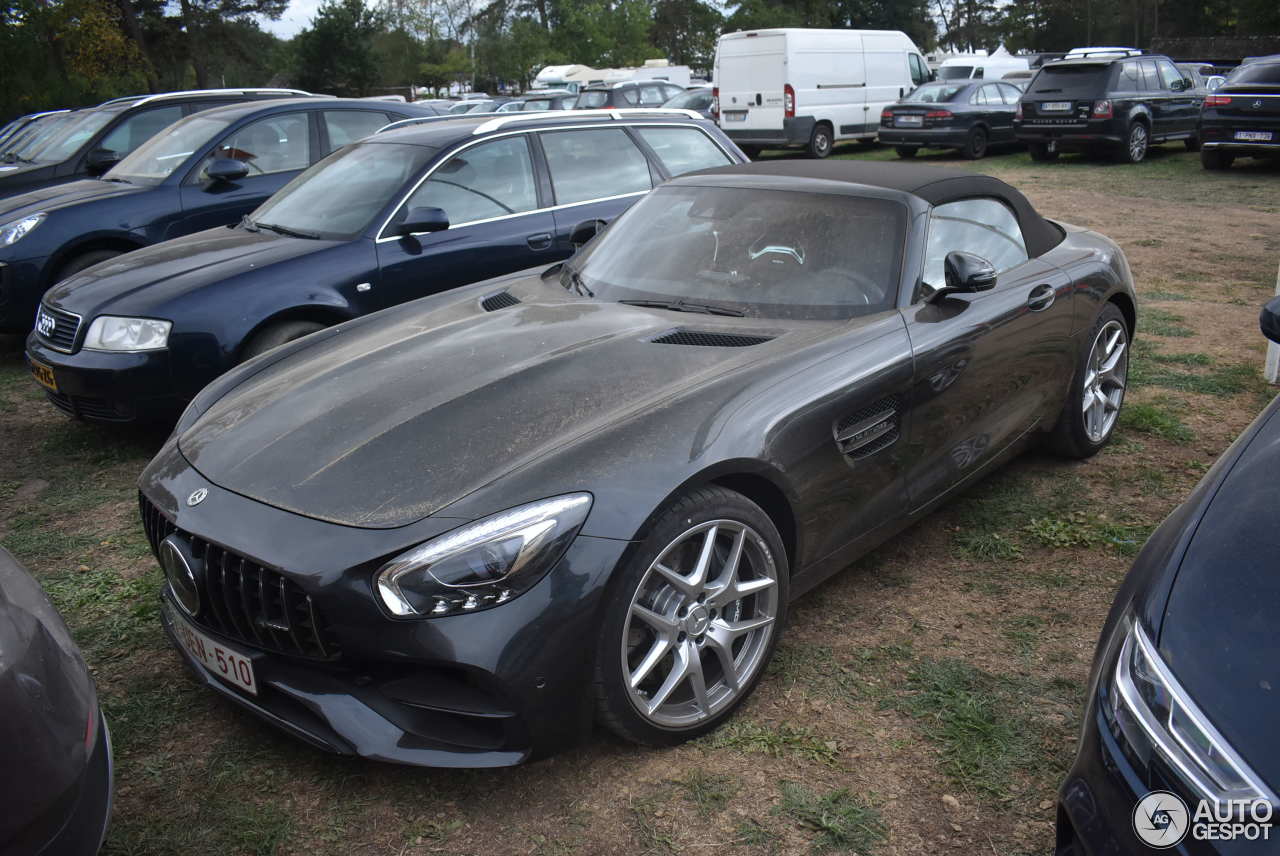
53	737
409	212
27	139
952	114
206	170
1181	697
486	105
811	88
591	490
1242	117
100	137
1202	76
18	125
992	67
1114	104
1019	79
629	93
696	98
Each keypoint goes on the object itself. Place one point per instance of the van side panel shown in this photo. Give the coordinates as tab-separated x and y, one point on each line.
888	74
829	75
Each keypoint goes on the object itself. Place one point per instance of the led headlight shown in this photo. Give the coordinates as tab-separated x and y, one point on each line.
109	333
484	563
1157	716
16	230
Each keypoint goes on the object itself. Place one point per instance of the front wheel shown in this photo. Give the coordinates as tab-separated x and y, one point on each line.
84	262
691	620
1097	390
820	141
276	335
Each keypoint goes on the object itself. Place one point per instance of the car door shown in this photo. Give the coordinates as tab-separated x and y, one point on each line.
497	223
1003	116
1184	102
275	147
1164	118
989	366
595	174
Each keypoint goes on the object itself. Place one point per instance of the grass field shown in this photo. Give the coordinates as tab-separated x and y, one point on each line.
950	662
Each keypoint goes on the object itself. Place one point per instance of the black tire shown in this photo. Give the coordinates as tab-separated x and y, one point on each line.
975	145
821	141
1070	437
276	335
906	151
1192	143
614	706
84	262
867	141
1040	152
752	152
1137	142
1215	159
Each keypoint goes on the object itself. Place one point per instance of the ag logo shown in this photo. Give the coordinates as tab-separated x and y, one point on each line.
1161	820
45	323
197	496
1257	105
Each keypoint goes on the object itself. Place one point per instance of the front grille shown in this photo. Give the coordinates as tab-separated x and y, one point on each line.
242	600
705	339
83	407
57	329
501	300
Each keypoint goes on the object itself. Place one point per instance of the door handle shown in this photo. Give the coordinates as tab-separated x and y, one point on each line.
1041	298
540	241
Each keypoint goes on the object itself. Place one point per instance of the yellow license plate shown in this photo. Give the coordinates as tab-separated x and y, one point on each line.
44	375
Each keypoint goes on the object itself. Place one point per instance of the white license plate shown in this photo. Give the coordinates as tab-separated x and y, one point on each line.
908	121
1254	136
735	116
229	665
1055	106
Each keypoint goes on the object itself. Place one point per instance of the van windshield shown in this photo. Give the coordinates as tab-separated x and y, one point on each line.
1081	81
955	72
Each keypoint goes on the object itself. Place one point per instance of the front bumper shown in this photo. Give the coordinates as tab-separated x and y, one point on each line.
795	131
935	137
109	387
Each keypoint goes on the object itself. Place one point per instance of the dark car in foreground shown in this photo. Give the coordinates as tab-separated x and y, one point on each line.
409	212
1242	117
457	532
968	116
1180	718
54	747
1115	105
207	170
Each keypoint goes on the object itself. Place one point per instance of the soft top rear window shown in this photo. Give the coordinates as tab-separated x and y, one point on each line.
1070	80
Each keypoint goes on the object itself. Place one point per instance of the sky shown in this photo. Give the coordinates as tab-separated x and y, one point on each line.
294	19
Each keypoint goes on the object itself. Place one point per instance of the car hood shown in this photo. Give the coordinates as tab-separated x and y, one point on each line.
1218	633
140	281
393	420
63	196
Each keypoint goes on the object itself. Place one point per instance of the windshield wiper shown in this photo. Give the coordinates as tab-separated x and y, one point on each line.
683	305
579	287
285	230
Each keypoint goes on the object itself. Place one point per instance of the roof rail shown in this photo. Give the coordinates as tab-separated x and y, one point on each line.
246	90
614	115
414	120
1108	52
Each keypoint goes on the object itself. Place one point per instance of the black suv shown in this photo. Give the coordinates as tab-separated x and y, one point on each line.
631	93
101	136
1242	118
1117	104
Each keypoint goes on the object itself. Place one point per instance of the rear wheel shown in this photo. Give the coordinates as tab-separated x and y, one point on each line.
906	151
83	262
1135	145
1097	389
975	145
1215	159
691	620
276	335
820	141
1041	152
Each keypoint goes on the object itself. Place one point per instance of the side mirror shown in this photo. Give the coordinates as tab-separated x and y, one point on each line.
226	169
585	231
933	75
1269	321
424	219
966	273
99	161
1180	85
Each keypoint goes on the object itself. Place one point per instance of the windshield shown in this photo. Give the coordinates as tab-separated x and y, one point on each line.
158	158
955	72
760	253
69	137
933	93
339	196
28	139
592	98
690	101
1256	72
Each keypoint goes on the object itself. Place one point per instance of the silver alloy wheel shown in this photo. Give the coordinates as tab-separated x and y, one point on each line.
1137	142
1105	375
821	143
699	624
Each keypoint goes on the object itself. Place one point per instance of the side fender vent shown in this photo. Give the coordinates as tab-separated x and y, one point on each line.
709	339
501	300
871	429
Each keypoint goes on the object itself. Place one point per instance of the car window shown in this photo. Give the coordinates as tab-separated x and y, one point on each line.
651	96
69	137
347	126
626	97
1168	73
691	100
1130	75
163	154
670	90
139	128
984	227
1011	93
919	72
1150	77
493	179
594	164
932	93
592	98
277	143
683	150
983	95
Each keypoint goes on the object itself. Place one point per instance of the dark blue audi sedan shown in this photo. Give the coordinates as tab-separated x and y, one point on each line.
405	213
208	169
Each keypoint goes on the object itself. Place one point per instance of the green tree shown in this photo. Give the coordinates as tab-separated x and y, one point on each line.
336	53
686	31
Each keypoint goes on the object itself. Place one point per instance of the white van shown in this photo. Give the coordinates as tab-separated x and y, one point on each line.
799	87
993	67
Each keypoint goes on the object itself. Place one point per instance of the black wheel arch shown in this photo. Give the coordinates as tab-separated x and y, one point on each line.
319	313
1124	303
122	243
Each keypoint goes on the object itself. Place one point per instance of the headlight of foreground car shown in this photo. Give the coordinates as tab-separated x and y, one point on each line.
1156	715
109	333
16	230
484	563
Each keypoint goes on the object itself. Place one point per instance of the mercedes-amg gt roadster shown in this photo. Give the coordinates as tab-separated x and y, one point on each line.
456	532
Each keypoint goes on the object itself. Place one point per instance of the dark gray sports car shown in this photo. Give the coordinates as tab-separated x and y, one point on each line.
456	532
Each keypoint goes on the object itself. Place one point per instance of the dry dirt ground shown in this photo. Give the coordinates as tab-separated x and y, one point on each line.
949	663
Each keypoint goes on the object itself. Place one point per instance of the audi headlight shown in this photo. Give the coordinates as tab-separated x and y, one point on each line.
1156	715
16	230
110	333
484	563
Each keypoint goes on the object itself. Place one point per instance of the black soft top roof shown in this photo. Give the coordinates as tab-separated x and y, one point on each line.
935	185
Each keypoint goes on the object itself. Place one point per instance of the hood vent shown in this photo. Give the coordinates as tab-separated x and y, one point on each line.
709	339
501	300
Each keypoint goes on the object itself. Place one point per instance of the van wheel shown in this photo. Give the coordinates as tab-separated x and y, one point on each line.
1135	145
85	262
906	151
1040	152
975	146
820	141
1214	159
276	335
